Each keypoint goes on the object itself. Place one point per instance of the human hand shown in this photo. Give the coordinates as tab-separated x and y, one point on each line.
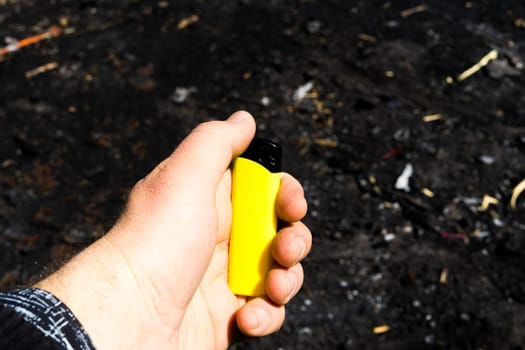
158	279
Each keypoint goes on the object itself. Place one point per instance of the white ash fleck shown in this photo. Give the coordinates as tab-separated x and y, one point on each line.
470	201
181	94
407	229
352	294
486	159
377	302
402	134
265	101
391	24
416	303
402	182
483	234
430	289
307	302
389	237
376	277
305	331
343	284
313	27
430	339
498	222
300	93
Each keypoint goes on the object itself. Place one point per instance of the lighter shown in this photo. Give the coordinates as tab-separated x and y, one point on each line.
255	182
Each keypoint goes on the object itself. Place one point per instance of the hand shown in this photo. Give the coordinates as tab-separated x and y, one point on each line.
158	279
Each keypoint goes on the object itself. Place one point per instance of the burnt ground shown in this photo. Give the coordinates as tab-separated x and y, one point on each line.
439	271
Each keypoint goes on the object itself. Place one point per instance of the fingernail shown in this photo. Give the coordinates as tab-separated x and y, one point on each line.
252	322
237	117
257	318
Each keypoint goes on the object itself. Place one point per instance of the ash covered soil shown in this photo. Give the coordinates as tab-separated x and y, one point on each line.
425	266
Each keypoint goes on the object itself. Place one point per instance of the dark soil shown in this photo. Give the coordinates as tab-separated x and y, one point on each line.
439	271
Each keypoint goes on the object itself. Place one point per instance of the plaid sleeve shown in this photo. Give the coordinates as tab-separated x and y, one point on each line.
32	318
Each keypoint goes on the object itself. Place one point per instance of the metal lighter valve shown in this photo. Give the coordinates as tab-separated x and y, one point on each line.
256	179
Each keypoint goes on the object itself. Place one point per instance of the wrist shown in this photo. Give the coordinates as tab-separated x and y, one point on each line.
101	292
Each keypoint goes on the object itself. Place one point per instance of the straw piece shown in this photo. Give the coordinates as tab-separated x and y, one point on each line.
381	329
516	193
41	69
492	55
414	10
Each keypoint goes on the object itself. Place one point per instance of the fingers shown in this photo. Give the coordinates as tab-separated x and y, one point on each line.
292	244
290	205
283	284
259	317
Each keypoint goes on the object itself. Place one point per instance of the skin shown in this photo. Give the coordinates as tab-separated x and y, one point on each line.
158	278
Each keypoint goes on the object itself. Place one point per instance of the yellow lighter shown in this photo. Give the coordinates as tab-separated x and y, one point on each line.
255	182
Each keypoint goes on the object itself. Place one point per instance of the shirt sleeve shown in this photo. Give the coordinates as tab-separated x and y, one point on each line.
32	318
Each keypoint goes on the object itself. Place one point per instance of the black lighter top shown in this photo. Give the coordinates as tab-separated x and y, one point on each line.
265	152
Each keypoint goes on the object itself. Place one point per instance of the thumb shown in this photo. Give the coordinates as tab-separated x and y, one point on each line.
193	171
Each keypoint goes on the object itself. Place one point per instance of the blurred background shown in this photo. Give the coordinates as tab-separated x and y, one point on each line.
404	120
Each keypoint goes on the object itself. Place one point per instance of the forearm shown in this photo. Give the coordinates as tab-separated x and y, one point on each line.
98	287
